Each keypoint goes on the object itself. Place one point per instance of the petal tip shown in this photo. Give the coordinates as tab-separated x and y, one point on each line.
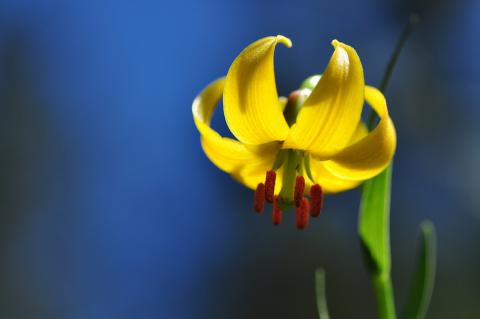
335	43
345	48
286	41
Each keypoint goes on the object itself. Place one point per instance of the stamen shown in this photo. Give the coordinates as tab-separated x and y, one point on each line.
302	214
299	188
277	213
316	198
259	198
270	186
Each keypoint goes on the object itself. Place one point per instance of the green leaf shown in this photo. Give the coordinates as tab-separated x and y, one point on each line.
424	277
373	226
321	294
374	231
374	219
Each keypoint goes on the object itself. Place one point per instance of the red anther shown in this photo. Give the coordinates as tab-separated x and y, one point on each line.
277	213
270	185
316	198
259	198
302	214
299	188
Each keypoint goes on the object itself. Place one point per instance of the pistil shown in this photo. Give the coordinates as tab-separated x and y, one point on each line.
288	182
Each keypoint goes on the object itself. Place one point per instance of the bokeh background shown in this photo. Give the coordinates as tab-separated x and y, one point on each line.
109	208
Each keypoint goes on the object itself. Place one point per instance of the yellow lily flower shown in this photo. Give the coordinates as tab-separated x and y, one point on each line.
312	143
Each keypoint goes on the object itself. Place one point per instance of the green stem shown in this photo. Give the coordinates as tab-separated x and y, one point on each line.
412	23
382	285
381	280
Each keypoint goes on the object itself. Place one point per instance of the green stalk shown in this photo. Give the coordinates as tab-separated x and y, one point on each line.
380	273
374	231
382	285
412	23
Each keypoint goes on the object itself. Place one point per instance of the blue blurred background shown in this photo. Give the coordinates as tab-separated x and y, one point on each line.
109	208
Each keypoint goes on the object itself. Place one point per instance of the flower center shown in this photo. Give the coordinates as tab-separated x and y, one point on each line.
295	168
297	98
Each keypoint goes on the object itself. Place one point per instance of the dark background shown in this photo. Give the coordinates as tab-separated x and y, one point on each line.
109	208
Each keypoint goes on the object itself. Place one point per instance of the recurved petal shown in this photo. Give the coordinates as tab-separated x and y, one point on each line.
330	183
368	156
246	167
250	99
254	173
329	117
227	154
359	133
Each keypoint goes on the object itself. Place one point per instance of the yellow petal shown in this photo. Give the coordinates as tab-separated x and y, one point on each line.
250	99
246	167
330	183
254	173
359	133
329	117
370	155
245	164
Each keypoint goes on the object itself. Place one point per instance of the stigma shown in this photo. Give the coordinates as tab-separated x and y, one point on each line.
294	167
